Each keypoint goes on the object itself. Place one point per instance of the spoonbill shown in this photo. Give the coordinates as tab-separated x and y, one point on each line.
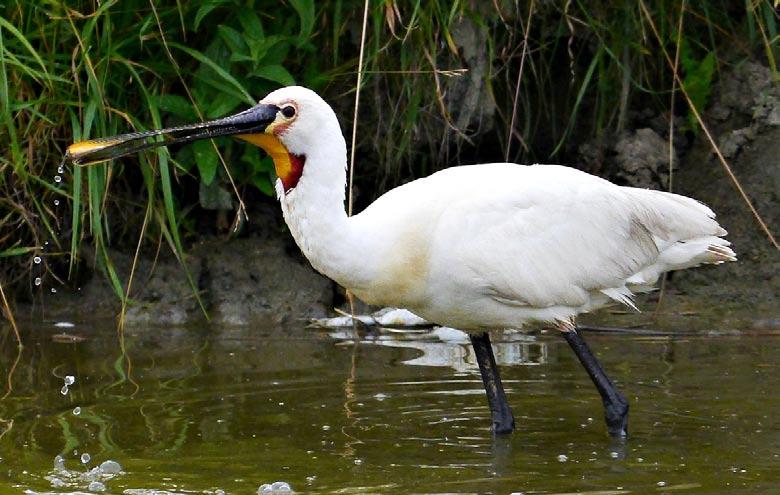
476	247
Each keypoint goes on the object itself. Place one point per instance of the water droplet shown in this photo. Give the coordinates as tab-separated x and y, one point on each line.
280	485
57	178
64	390
96	486
614	455
57	483
53	290
38	280
37	260
563	458
56	202
59	463
76	411
70	379
275	488
358	462
110	467
326	427
85	458
60	169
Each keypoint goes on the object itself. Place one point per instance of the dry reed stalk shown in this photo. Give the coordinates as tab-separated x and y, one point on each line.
519	80
713	144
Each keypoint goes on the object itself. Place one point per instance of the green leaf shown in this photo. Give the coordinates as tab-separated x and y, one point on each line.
214	197
306	12
264	183
205	9
275	73
697	81
207	160
175	104
19	36
233	39
216	68
251	24
17	251
224	103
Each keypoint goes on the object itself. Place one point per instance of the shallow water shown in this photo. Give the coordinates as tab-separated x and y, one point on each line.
206	410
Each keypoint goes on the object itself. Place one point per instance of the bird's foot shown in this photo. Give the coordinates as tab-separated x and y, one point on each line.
616	416
503	422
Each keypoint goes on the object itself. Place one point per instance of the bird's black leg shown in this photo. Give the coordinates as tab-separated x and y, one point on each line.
615	405
503	421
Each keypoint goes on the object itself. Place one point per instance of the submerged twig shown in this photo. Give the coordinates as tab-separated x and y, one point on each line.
10	315
10	378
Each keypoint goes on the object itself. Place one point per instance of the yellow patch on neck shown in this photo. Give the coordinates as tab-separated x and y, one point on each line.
288	166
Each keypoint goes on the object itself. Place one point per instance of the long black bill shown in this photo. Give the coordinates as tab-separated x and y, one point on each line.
253	120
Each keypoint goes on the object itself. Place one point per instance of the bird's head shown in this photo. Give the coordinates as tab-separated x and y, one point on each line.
287	124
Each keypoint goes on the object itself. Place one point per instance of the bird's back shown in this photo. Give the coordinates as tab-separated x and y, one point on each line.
494	245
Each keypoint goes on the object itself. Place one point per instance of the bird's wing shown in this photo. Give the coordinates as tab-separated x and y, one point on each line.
546	236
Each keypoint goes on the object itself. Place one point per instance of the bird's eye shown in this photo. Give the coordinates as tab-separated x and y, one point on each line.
288	111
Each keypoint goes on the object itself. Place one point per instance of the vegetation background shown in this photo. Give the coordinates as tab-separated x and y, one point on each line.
445	81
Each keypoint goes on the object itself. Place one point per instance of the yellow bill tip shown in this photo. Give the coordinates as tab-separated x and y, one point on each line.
78	150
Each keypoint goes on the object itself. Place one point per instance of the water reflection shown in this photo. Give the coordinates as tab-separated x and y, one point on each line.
448	347
207	409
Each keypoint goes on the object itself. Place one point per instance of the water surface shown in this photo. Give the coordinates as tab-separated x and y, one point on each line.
212	410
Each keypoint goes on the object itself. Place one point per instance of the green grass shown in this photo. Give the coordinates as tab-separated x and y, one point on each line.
75	70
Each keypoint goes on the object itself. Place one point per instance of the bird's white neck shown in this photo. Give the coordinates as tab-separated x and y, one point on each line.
315	214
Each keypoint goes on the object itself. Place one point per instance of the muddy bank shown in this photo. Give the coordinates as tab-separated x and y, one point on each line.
257	279
745	119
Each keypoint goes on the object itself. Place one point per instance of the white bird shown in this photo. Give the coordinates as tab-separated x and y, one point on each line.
472	247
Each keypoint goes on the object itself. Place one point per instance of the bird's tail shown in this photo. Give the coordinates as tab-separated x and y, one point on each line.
685	232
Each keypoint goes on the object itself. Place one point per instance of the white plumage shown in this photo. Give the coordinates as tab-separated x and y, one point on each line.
476	247
487	246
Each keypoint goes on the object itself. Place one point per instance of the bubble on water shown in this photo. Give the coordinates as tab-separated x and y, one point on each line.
56	482
110	467
64	390
70	379
326	427
76	411
37	260
563	458
358	462
53	290
85	458
59	463
96	486
56	202
661	483
274	488
38	280
58	178
614	455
